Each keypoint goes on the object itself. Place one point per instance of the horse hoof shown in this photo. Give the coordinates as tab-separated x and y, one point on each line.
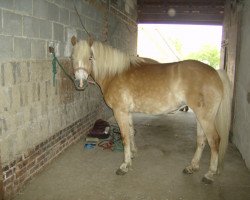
207	180
186	171
120	172
133	155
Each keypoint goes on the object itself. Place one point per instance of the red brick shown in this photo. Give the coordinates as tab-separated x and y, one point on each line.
8	180
8	173
40	157
9	188
20	171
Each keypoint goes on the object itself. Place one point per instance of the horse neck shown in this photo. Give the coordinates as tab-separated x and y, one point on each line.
103	83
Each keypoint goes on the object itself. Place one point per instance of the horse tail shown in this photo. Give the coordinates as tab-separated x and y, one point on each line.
223	117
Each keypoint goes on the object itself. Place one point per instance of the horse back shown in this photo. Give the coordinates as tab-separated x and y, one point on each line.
158	87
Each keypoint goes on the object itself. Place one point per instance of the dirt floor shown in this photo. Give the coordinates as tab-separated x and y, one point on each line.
165	146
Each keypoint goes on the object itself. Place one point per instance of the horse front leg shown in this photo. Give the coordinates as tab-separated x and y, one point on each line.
123	119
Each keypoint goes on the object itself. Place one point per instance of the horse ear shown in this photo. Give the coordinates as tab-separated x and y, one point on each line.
74	40
91	40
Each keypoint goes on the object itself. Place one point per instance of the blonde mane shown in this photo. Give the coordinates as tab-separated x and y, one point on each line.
109	61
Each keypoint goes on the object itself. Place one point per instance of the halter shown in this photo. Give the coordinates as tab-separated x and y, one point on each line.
86	81
80	68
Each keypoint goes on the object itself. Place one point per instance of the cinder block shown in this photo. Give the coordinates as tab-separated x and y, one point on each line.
98	16
60	2
16	72
38	89
69	4
42	97
24	6
7	153
29	94
46	73
1	29
90	11
2	78
62	48
58	32
9	4
74	20
33	113
19	119
36	70
45	29
68	46
86	9
1	109
89	24
4	125
64	16
45	10
24	72
40	8
28	70
8	75
22	48
12	23
53	12
23	95
38	49
34	92
48	86
31	27
8	98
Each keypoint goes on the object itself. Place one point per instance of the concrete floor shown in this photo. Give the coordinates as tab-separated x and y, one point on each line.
165	146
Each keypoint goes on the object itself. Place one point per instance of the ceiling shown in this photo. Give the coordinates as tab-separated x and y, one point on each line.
181	11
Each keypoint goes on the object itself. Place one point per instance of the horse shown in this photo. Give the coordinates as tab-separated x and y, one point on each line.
131	84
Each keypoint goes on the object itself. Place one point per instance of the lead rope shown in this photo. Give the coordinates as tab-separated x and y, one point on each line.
114	143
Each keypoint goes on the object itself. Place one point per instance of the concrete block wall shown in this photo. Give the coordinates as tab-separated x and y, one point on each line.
33	112
241	126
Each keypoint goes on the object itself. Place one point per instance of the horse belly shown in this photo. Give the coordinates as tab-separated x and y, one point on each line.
156	104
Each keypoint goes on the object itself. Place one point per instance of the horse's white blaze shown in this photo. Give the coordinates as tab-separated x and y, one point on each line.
81	74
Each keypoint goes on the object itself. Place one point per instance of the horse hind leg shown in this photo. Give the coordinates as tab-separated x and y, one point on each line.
132	138
213	141
201	142
122	119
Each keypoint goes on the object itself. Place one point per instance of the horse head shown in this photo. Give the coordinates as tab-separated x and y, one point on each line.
82	57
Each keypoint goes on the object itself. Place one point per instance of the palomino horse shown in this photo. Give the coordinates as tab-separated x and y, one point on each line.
131	84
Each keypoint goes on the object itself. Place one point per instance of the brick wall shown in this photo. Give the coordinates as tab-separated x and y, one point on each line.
38	120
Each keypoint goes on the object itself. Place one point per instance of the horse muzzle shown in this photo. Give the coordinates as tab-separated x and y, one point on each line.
81	77
79	85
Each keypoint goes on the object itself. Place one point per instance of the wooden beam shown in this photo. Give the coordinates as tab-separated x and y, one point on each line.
186	12
181	18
